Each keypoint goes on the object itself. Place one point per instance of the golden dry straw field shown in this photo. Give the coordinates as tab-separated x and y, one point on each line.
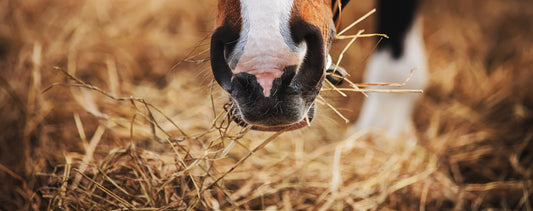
110	105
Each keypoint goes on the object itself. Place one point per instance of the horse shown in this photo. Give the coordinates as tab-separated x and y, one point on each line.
272	57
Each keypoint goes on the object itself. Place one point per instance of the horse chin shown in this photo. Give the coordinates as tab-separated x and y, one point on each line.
290	127
274	128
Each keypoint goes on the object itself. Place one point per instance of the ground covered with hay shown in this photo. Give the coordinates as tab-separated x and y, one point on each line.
110	105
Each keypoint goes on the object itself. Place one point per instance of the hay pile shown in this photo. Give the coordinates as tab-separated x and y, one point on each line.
84	143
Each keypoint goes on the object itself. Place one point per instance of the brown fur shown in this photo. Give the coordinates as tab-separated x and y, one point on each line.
316	12
229	11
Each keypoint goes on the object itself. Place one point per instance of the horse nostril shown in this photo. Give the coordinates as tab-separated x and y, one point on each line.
221	71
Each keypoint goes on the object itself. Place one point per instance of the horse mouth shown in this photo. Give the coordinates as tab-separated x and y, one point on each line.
290	127
276	128
272	128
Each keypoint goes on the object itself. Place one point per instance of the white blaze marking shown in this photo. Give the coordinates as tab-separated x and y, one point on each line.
265	46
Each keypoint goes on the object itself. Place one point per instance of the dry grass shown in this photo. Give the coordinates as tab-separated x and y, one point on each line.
86	144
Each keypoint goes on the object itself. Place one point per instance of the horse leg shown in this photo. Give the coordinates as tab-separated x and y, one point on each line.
394	59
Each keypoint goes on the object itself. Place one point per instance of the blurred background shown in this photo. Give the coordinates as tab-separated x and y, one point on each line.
474	122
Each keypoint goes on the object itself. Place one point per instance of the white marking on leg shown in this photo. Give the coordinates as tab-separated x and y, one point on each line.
392	113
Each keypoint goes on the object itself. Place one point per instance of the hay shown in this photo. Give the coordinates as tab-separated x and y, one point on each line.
86	144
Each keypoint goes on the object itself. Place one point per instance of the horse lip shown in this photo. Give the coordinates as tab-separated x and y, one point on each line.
290	127
304	122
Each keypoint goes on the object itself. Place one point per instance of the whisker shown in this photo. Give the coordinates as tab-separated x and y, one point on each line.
322	100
